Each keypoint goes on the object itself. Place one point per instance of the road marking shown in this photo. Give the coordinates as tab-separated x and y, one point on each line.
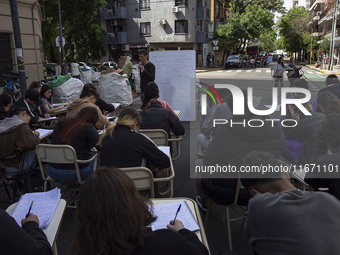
258	71
219	71
229	71
238	71
310	72
249	71
268	71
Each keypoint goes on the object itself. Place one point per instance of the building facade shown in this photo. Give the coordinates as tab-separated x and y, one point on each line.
159	25
30	18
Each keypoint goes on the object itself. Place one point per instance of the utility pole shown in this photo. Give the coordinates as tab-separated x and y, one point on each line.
61	39
331	54
18	46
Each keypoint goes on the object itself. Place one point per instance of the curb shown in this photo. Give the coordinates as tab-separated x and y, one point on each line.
205	71
322	71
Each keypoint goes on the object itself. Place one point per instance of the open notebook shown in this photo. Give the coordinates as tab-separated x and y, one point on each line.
44	206
44	132
166	213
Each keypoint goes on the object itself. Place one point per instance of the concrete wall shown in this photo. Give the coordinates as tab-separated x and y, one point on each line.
31	42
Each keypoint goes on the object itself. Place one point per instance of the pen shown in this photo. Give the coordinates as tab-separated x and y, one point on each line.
179	208
29	210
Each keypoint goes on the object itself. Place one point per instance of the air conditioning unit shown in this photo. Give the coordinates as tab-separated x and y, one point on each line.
114	22
125	47
109	12
318	13
175	9
163	22
111	36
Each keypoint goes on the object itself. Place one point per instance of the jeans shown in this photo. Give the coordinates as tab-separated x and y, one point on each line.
30	162
62	175
278	81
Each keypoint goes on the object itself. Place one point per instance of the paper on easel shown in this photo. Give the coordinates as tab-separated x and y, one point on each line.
166	213
44	206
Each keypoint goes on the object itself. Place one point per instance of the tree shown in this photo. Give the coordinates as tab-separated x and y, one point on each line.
267	41
238	6
292	26
247	26
81	28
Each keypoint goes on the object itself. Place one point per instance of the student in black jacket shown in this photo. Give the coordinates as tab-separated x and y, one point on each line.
29	239
113	218
104	107
122	146
156	117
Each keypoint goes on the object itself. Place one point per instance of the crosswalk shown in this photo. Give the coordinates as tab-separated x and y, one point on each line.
262	71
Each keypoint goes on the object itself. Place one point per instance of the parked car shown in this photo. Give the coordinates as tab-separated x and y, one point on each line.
108	64
83	67
233	61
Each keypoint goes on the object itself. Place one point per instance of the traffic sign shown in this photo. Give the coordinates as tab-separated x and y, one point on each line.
215	43
57	41
215	48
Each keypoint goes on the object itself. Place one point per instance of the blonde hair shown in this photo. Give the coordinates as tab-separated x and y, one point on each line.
128	117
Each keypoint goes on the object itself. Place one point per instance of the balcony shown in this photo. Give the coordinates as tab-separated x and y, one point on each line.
202	13
115	13
201	37
116	38
315	4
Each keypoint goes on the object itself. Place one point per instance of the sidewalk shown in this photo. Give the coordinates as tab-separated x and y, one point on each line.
336	69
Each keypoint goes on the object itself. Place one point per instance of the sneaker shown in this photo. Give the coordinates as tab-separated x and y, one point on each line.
201	203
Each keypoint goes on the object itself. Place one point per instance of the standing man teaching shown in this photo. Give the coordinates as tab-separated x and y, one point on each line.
147	70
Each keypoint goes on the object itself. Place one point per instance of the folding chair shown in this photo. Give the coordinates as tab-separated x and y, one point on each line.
160	138
142	177
17	183
232	206
63	154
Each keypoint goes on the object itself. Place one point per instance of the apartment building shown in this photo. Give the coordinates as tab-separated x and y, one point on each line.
161	25
30	18
322	12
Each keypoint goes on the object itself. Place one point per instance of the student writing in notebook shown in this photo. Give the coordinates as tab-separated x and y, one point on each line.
29	239
116	223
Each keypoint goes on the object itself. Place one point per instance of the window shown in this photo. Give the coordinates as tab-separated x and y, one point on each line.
144	4
181	26
145	28
181	2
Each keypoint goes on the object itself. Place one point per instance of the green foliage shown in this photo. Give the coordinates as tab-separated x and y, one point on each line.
238	6
81	29
267	41
248	25
292	26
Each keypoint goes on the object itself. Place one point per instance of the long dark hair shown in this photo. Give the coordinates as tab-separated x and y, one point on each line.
111	215
89	91
42	93
279	61
5	99
70	126
151	91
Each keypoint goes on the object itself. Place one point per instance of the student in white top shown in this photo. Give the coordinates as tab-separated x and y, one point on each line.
75	69
278	72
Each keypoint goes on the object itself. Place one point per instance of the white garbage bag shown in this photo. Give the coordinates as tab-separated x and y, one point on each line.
95	76
115	88
87	77
136	79
68	91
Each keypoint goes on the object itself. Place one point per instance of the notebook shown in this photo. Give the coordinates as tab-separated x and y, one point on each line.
166	213
44	206
44	132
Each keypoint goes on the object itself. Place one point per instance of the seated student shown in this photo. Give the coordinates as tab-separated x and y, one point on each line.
332	85
156	117
117	223
306	129
122	146
108	107
229	146
151	92
284	220
327	156
6	102
36	86
15	135
31	101
79	132
88	99
46	99
328	103
29	239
